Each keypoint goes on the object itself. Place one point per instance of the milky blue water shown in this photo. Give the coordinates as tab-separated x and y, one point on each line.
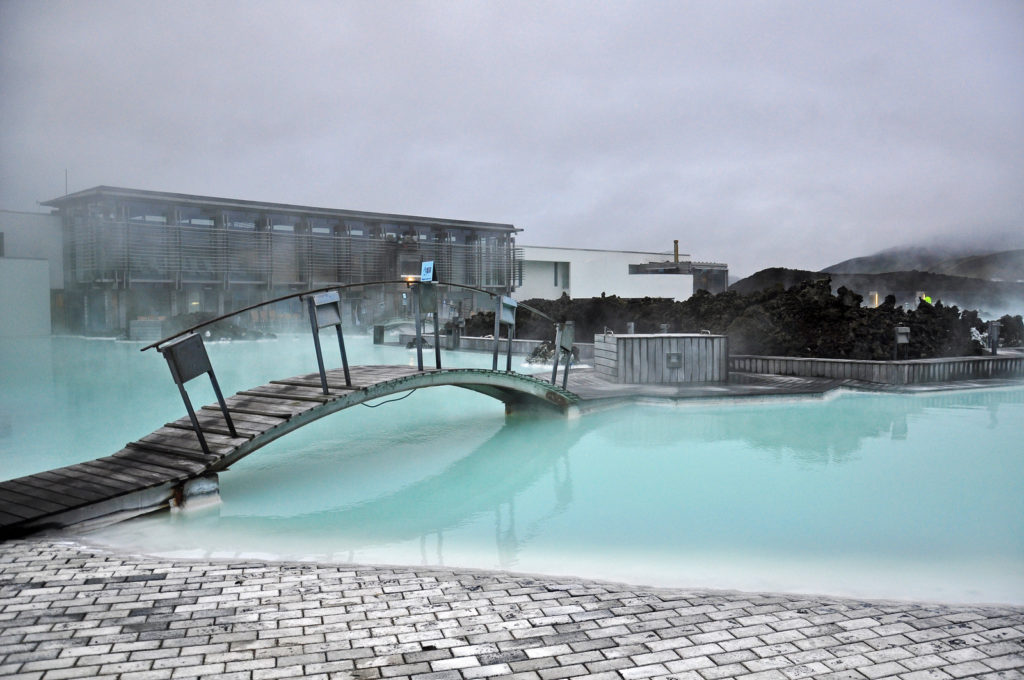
857	494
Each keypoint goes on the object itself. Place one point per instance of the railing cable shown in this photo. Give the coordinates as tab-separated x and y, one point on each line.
389	401
321	290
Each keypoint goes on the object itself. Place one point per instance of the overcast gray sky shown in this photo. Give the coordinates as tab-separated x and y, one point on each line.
757	133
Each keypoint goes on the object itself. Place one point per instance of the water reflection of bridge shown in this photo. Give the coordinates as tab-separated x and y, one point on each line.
447	495
149	471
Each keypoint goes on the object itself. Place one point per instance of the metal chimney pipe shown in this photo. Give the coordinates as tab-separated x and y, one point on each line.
676	243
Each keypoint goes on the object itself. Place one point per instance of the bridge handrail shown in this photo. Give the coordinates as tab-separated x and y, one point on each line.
320	290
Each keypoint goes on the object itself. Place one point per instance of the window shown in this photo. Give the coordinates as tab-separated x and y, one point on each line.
284	222
242	220
196	217
321	225
146	212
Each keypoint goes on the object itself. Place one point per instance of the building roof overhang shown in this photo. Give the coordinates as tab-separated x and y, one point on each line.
103	191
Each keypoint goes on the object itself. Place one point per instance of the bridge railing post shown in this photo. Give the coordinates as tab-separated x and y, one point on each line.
557	352
504	315
187	359
437	332
419	326
424	300
568	336
497	333
565	335
325	310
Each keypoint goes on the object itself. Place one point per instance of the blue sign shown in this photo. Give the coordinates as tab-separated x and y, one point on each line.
427	271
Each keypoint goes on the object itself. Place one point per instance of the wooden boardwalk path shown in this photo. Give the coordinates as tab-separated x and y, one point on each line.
147	473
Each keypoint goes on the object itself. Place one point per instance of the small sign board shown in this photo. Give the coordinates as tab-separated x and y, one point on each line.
567	337
327	297
902	335
187	358
428	296
427	271
328	309
508	310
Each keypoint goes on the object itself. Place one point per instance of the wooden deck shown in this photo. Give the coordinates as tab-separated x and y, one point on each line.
148	472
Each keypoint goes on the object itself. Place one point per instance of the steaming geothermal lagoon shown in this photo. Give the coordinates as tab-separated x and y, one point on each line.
881	496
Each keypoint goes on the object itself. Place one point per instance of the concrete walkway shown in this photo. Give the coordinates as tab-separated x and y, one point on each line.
68	611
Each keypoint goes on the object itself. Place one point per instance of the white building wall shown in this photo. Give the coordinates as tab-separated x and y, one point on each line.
24	298
592	272
539	279
37	236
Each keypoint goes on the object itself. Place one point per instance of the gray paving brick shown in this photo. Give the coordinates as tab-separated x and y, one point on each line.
929	674
805	670
510	655
648	671
651	658
882	670
147	675
609	665
742	643
1006	662
888	654
688	665
488	671
841	675
440	675
534	664
454	662
731	670
551	650
967	669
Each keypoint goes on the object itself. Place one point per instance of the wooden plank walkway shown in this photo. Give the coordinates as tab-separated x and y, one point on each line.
162	460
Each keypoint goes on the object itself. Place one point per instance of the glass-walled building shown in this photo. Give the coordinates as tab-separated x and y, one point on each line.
131	254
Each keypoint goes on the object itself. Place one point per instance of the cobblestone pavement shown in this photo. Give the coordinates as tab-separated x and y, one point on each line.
68	612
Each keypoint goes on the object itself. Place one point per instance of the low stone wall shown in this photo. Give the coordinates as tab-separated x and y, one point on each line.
885	372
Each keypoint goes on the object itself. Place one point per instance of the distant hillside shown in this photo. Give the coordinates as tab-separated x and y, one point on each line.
901	259
993	298
1005	265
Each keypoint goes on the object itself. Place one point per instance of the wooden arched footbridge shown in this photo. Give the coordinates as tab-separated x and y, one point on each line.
158	468
265	413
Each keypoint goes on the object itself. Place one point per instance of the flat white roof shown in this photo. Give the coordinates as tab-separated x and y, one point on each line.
665	253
